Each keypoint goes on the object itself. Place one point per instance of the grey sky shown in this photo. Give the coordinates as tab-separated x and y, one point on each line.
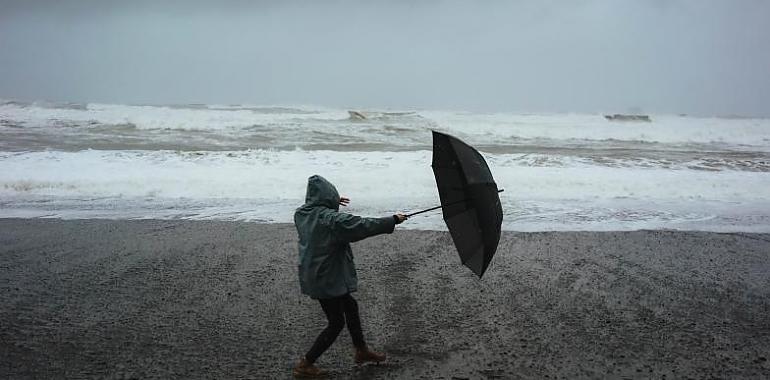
679	56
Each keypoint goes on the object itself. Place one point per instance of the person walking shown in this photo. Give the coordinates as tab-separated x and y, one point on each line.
326	269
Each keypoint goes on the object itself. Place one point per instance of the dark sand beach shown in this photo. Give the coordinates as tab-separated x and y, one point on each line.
188	299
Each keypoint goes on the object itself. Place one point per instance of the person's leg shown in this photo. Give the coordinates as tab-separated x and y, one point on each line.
335	314
363	354
354	321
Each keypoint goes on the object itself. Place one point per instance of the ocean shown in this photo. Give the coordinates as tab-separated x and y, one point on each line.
251	163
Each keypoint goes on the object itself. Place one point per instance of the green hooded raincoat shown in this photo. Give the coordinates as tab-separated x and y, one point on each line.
326	267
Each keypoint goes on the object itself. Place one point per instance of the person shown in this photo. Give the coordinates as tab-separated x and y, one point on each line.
326	269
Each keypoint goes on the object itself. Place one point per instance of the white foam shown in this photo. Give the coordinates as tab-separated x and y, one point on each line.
292	123
494	128
267	185
268	174
161	117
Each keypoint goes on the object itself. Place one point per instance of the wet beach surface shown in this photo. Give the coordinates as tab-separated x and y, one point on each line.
204	299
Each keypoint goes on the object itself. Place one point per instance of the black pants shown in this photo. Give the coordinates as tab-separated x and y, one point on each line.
338	310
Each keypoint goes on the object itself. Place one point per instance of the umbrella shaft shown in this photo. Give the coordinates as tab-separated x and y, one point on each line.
438	207
420	212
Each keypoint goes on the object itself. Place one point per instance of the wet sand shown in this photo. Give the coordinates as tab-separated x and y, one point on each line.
185	299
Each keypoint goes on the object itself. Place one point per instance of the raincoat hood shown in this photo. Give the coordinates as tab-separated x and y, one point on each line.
321	192
326	268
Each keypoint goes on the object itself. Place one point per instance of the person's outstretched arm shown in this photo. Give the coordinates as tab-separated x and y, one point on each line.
350	228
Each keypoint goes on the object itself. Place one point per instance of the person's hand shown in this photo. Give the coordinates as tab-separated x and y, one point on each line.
400	218
344	201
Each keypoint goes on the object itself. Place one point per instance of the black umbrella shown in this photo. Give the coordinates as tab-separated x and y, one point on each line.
469	200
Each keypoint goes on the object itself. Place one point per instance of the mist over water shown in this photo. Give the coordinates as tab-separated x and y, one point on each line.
706	58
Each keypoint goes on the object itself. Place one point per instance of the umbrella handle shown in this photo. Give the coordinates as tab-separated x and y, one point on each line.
438	207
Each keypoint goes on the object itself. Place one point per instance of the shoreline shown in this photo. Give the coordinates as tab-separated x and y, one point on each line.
428	223
218	299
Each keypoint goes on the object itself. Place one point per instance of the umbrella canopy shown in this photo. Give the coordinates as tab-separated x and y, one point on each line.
469	200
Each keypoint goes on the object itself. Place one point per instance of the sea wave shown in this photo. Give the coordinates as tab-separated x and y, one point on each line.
282	174
291	124
244	162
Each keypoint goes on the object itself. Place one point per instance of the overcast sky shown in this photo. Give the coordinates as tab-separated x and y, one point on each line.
678	56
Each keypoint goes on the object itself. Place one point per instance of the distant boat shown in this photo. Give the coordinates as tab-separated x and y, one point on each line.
622	117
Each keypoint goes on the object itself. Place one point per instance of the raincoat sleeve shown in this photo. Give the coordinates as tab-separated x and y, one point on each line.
350	228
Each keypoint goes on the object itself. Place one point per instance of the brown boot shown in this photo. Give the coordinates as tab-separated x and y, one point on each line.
364	355
307	370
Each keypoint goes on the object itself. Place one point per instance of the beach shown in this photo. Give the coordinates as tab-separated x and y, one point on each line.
155	157
218	299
